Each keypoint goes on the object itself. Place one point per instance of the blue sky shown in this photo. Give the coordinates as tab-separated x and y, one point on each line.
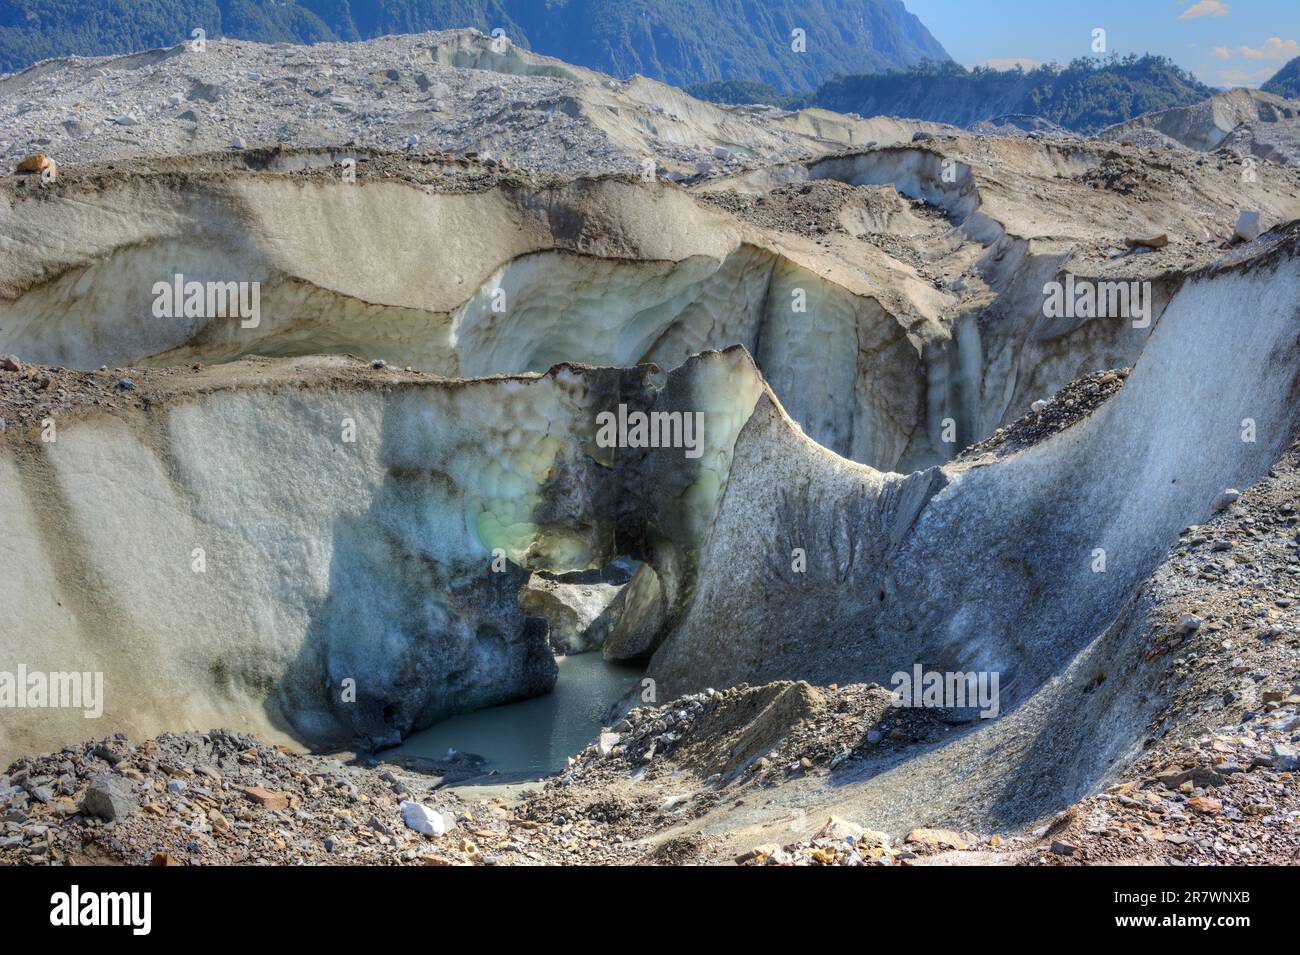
1224	42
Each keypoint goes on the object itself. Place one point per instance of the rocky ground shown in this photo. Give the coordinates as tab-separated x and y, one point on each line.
1048	416
1238	122
390	93
238	93
31	394
225	798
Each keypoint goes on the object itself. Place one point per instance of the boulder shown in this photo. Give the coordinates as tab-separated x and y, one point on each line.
422	819
1285	758
840	829
1248	226
639	618
109	797
1147	242
1226	499
579	614
39	164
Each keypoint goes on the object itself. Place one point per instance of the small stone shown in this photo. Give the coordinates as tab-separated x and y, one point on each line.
10	363
378	363
605	745
759	853
1285	758
1205	805
265	798
1189	624
1063	848
1200	776
936	838
1148	242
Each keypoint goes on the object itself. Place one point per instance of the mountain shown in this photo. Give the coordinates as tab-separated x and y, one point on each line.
1084	96
678	41
1286	81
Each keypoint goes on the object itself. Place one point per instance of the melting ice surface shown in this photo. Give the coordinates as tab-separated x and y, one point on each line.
536	736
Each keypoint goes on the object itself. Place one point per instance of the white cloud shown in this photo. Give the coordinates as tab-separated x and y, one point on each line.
1011	62
1235	77
1205	8
1274	48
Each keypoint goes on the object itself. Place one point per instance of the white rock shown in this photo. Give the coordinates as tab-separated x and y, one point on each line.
1248	227
840	829
421	818
342	101
1225	500
127	119
1039	405
605	745
175	99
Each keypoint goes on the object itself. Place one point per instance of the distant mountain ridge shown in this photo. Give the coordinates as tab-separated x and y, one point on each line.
1083	96
677	41
1286	81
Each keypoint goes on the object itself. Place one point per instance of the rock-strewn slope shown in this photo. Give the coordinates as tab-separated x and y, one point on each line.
455	91
1241	122
663	40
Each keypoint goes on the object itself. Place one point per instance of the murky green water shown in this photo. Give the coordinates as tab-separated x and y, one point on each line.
536	736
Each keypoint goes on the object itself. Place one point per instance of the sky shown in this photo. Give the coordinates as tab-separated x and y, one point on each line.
1223	42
